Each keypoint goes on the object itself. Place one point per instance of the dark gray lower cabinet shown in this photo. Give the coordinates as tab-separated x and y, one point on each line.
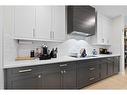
87	72
104	69
52	79
116	64
27	82
66	75
61	75
23	78
110	62
109	66
82	76
69	79
50	76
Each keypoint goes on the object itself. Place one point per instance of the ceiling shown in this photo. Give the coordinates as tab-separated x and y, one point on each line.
112	11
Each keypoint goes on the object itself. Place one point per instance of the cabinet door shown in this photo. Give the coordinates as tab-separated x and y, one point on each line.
106	30
83	74
69	79
43	22
110	69
82	77
31	81
58	22
104	69
110	66
109	31
88	72
24	18
100	38
116	65
1	55
68	75
103	29
52	79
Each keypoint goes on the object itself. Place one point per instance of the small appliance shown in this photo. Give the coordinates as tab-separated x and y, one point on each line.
104	51
45	53
83	52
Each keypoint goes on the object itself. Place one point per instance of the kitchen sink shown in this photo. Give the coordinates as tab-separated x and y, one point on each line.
92	56
89	56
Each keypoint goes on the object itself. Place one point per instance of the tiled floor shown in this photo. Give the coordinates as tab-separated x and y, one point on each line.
115	82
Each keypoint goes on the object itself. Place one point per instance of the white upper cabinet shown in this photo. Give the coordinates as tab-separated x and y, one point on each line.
58	23
99	28
43	22
107	30
40	23
104	29
24	20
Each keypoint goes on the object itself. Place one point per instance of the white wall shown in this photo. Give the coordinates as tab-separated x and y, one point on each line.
125	21
1	61
118	39
10	45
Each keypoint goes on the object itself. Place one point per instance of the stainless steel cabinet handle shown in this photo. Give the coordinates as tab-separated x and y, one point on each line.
53	35
61	72
27	70
39	76
33	32
109	58
64	71
92	78
63	65
50	35
102	40
107	41
91	69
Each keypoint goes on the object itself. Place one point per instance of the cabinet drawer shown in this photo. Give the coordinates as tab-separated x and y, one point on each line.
69	65
51	67
93	78
109	60
87	80
93	70
23	70
87	63
31	81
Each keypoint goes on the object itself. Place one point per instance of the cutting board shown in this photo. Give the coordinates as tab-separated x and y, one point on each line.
23	58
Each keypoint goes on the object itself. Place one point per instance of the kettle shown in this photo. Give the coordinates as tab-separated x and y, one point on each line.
53	53
83	52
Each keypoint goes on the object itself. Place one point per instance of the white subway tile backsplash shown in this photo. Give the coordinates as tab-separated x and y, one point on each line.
72	45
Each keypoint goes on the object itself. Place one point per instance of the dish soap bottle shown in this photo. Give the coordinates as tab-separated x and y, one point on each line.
94	52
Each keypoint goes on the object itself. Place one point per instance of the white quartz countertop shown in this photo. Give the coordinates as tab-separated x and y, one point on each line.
53	60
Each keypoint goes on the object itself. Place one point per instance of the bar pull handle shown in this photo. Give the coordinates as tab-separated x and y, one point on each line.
33	32
92	78
64	71
27	70
91	69
61	72
63	65
39	76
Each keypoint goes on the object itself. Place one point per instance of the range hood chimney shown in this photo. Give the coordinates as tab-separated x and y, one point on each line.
81	20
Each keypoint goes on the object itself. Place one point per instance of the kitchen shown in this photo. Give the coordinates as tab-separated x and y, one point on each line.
59	47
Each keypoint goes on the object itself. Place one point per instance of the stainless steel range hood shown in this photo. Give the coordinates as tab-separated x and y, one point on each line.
80	33
81	20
